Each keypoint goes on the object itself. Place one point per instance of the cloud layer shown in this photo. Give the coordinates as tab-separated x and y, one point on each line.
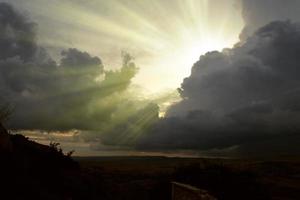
75	92
244	95
257	13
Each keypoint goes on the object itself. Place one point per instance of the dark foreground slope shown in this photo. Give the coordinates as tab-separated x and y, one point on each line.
29	170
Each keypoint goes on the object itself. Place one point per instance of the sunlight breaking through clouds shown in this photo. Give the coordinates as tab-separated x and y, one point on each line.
166	37
62	71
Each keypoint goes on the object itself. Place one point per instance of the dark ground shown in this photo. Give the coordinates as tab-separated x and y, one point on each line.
29	170
150	177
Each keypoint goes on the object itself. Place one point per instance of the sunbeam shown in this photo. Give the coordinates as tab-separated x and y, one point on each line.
166	37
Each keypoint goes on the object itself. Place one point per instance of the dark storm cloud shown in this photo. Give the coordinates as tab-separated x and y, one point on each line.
64	97
240	96
75	93
257	13
17	35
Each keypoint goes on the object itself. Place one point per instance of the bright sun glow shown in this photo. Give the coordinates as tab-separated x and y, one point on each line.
165	36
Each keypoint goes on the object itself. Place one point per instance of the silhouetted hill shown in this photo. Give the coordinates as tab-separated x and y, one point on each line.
30	170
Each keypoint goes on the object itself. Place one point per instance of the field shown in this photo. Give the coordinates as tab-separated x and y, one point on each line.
146	178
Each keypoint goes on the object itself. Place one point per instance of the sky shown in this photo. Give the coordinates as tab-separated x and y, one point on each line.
188	77
154	32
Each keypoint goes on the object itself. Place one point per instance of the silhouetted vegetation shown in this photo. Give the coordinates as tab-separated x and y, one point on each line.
55	146
33	171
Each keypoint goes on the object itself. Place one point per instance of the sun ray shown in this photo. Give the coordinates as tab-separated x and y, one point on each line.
166	37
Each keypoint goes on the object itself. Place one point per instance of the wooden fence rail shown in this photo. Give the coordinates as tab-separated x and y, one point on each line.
186	192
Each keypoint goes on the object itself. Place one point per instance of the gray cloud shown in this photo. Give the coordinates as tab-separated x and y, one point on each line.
240	96
64	97
75	58
257	13
75	93
17	34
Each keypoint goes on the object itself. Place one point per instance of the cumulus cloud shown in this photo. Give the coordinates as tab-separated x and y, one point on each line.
65	97
240	96
75	92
